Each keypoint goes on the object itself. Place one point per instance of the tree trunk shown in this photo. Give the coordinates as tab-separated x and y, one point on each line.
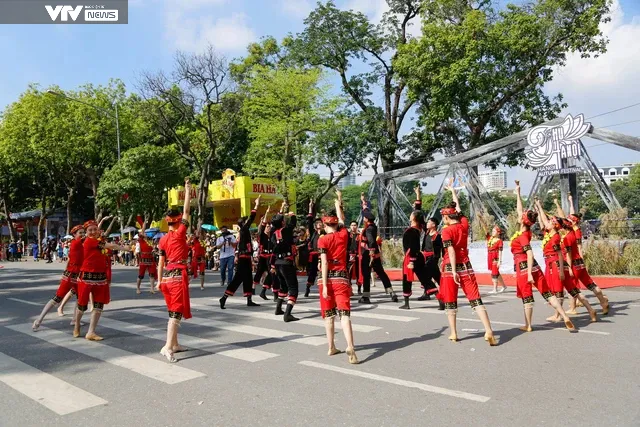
9	223
93	179
41	225
69	200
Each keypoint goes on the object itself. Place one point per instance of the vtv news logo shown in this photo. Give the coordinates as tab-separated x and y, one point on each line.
91	14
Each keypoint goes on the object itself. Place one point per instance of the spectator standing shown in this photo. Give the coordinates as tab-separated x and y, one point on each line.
226	243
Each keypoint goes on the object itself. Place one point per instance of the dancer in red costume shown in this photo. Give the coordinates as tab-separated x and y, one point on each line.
573	244
431	249
172	271
93	280
265	252
197	260
458	271
69	281
146	263
335	289
528	273
557	271
494	256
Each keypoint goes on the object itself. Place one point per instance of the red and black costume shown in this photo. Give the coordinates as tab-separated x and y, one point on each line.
580	272
352	257
494	247
314	253
520	245
338	286
146	260
197	258
175	278
456	236
413	264
265	252
570	283
550	249
69	280
431	248
284	259
244	254
93	275
370	257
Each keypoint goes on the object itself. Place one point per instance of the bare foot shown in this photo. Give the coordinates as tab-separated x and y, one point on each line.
60	313
605	307
572	312
353	359
35	325
333	351
76	332
526	329
453	337
168	354
553	319
138	292
593	316
179	349
93	337
569	325
491	339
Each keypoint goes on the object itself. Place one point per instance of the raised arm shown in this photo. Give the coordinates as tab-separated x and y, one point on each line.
542	216
339	209
310	217
252	216
104	218
572	210
519	201
454	197
113	221
417	205
561	213
263	220
187	199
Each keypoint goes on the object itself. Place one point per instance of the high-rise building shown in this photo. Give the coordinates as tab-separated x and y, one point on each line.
616	173
493	180
347	181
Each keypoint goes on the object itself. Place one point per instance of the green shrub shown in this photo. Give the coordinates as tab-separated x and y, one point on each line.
614	224
392	255
631	258
603	258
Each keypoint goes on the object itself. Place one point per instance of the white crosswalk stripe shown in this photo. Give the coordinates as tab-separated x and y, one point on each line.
51	392
219	348
269	316
158	370
243	329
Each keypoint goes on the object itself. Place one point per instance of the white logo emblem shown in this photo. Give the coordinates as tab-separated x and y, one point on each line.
551	144
64	12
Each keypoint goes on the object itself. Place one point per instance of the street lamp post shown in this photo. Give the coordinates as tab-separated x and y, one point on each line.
100	109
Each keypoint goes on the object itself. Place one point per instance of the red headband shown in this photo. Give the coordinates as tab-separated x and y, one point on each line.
498	229
173	219
448	211
90	223
77	228
574	219
330	219
525	219
557	225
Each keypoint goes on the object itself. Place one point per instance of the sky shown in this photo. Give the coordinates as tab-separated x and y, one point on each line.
71	55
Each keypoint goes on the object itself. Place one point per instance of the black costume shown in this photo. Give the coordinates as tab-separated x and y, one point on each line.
370	260
284	262
244	254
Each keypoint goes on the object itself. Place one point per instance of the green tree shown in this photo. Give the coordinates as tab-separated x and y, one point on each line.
137	184
628	192
478	72
308	188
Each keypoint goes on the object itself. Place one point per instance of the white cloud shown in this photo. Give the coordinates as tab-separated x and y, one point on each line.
374	9
193	31
297	8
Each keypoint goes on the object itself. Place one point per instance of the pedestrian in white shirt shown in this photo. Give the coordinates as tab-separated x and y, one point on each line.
226	243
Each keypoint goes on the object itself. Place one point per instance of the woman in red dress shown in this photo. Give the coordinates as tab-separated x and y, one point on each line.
173	275
557	270
494	258
528	273
93	280
458	271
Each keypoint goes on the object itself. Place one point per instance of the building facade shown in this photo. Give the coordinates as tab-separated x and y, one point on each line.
616	173
493	180
347	181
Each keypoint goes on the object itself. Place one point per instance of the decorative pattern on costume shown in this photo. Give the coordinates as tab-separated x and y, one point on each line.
574	292
460	268
185	223
338	274
451	305
559	294
322	250
526	248
163	253
447	243
98	306
577	262
56	299
547	295
523	265
528	300
93	277
557	248
173	273
175	315
328	314
475	303
592	287
70	274
82	308
344	313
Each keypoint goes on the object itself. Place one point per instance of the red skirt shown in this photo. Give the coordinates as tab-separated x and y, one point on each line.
552	275
69	282
524	288
339	292
175	288
406	271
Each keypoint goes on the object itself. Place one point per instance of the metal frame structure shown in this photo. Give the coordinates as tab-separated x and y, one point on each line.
384	185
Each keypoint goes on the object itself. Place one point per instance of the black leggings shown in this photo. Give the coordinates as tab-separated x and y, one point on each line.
287	275
424	271
263	266
366	272
312	270
242	275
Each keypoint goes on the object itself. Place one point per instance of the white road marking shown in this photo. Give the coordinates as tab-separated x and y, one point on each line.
27	302
243	329
307	308
53	393
216	347
397	381
152	368
267	316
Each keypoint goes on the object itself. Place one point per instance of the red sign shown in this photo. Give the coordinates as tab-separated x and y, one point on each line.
19	226
181	194
265	188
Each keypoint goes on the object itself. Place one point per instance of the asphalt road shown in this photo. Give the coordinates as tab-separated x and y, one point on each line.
246	367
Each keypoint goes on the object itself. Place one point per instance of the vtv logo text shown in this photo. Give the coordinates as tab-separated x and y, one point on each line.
64	12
